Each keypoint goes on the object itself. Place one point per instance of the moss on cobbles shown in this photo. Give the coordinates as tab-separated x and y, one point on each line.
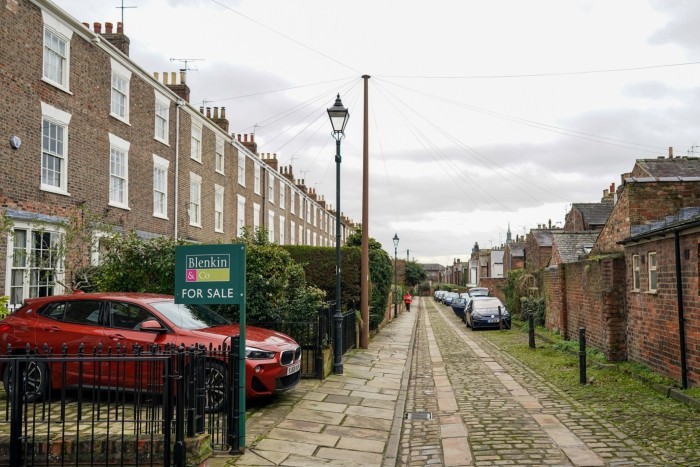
665	427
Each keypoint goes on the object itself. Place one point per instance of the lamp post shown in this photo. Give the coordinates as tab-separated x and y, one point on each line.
396	305
339	118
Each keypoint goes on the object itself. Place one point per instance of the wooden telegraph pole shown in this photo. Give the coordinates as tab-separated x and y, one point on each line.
364	262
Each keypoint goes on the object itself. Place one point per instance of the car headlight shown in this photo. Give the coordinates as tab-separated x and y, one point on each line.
476	314
258	354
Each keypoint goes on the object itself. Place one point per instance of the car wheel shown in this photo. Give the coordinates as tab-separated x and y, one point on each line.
215	384
34	380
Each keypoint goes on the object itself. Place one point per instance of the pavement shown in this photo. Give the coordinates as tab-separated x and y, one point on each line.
428	391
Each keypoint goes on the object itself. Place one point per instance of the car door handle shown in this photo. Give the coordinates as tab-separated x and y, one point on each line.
116	337
52	329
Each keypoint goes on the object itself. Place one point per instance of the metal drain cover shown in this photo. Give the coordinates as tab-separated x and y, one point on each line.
418	416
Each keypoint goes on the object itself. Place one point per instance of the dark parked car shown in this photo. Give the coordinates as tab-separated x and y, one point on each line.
486	312
458	306
273	360
449	297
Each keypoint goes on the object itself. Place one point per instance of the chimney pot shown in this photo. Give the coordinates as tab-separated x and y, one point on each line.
182	77
173	77
245	138
252	137
223	112
156	76
165	78
612	187
87	25
216	113
208	112
120	28
201	110
670	152
98	27
108	28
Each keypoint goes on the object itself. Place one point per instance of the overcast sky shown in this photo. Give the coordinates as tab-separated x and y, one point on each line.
481	113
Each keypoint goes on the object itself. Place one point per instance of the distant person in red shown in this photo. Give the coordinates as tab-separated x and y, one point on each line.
407	300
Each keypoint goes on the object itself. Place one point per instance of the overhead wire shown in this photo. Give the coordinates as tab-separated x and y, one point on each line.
433	149
534	124
328	57
541	75
489	162
386	170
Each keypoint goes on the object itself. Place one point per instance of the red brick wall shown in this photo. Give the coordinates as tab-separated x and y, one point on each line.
554	284
536	257
494	284
641	202
595	299
653	327
574	221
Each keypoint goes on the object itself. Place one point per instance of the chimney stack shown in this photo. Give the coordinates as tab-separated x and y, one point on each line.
220	120
118	39
251	145
181	89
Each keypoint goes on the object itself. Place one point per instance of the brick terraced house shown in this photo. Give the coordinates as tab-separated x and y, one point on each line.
636	289
91	138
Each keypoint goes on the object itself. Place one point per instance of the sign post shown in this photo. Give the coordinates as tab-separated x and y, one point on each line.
216	274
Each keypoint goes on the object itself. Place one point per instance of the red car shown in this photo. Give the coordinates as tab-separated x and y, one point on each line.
273	360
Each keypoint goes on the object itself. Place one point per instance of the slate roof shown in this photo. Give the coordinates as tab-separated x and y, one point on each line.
594	213
516	250
433	267
670	169
542	237
571	245
685	218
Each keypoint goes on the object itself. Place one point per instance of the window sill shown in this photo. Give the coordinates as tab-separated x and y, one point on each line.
161	216
120	118
119	206
53	189
56	85
162	141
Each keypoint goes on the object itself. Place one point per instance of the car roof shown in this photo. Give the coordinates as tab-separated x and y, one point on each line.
75	296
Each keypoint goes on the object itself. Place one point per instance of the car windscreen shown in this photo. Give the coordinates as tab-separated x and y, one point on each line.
189	316
479	292
483	304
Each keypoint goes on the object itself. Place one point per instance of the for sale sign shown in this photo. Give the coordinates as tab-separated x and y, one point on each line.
210	274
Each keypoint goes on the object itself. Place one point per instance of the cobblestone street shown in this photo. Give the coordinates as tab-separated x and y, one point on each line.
504	414
429	391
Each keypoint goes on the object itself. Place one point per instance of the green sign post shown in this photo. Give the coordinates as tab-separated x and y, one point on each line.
216	274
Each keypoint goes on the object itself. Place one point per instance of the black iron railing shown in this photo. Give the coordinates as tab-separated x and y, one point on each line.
114	406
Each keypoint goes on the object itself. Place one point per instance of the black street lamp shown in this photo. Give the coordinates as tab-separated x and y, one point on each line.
396	290
339	118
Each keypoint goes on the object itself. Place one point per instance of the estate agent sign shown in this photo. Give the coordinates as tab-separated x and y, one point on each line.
210	274
215	274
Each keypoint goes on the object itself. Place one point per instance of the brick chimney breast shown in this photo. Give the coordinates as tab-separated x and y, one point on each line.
118	39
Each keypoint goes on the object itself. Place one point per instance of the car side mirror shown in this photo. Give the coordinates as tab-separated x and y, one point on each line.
151	325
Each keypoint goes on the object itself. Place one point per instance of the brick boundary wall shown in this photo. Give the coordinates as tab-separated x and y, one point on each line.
595	299
495	286
554	284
